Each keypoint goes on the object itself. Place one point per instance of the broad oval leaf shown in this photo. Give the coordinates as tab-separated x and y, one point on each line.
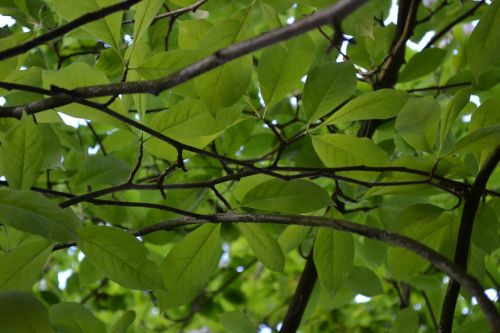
33	213
295	196
282	66
483	47
74	318
334	257
237	322
339	150
14	307
120	256
22	154
326	87
406	321
189	264
20	268
265	247
223	86
418	122
422	63
363	281
380	104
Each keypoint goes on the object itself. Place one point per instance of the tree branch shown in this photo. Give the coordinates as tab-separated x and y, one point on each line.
435	258
331	14
462	246
60	31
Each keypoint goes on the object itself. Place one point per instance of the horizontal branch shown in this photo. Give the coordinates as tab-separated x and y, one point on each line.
435	258
332	14
60	31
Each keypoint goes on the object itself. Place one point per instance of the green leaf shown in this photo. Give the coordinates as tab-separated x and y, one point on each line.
14	307
292	237
422	63
483	48
88	273
418	122
380	104
484	138
428	230
363	281
334	257
21	267
486	114
294	196
237	322
406	321
191	32
191	123
449	115
326	87
33	213
74	318
120	256
484	234
122	324
265	247
107	29
22	154
282	66
144	13
339	150
189	264
101	170
223	86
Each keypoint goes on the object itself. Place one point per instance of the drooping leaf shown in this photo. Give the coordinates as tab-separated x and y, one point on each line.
20	268
484	234
326	87
189	264
74	318
21	154
380	104
295	196
120	256
225	85
418	122
292	237
334	257
483	48
144	13
282	66
33	213
14	305
451	112
265	247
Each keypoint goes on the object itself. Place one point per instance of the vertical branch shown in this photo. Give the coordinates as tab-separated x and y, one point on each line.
462	246
300	298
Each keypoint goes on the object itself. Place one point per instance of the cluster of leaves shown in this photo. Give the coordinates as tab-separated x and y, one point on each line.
183	196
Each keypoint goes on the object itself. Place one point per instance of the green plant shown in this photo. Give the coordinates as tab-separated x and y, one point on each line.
249	165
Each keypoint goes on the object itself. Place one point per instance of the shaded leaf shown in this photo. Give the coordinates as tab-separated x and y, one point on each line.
33	213
265	247
120	256
295	196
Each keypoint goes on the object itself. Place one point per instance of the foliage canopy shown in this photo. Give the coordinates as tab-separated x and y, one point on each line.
243	166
